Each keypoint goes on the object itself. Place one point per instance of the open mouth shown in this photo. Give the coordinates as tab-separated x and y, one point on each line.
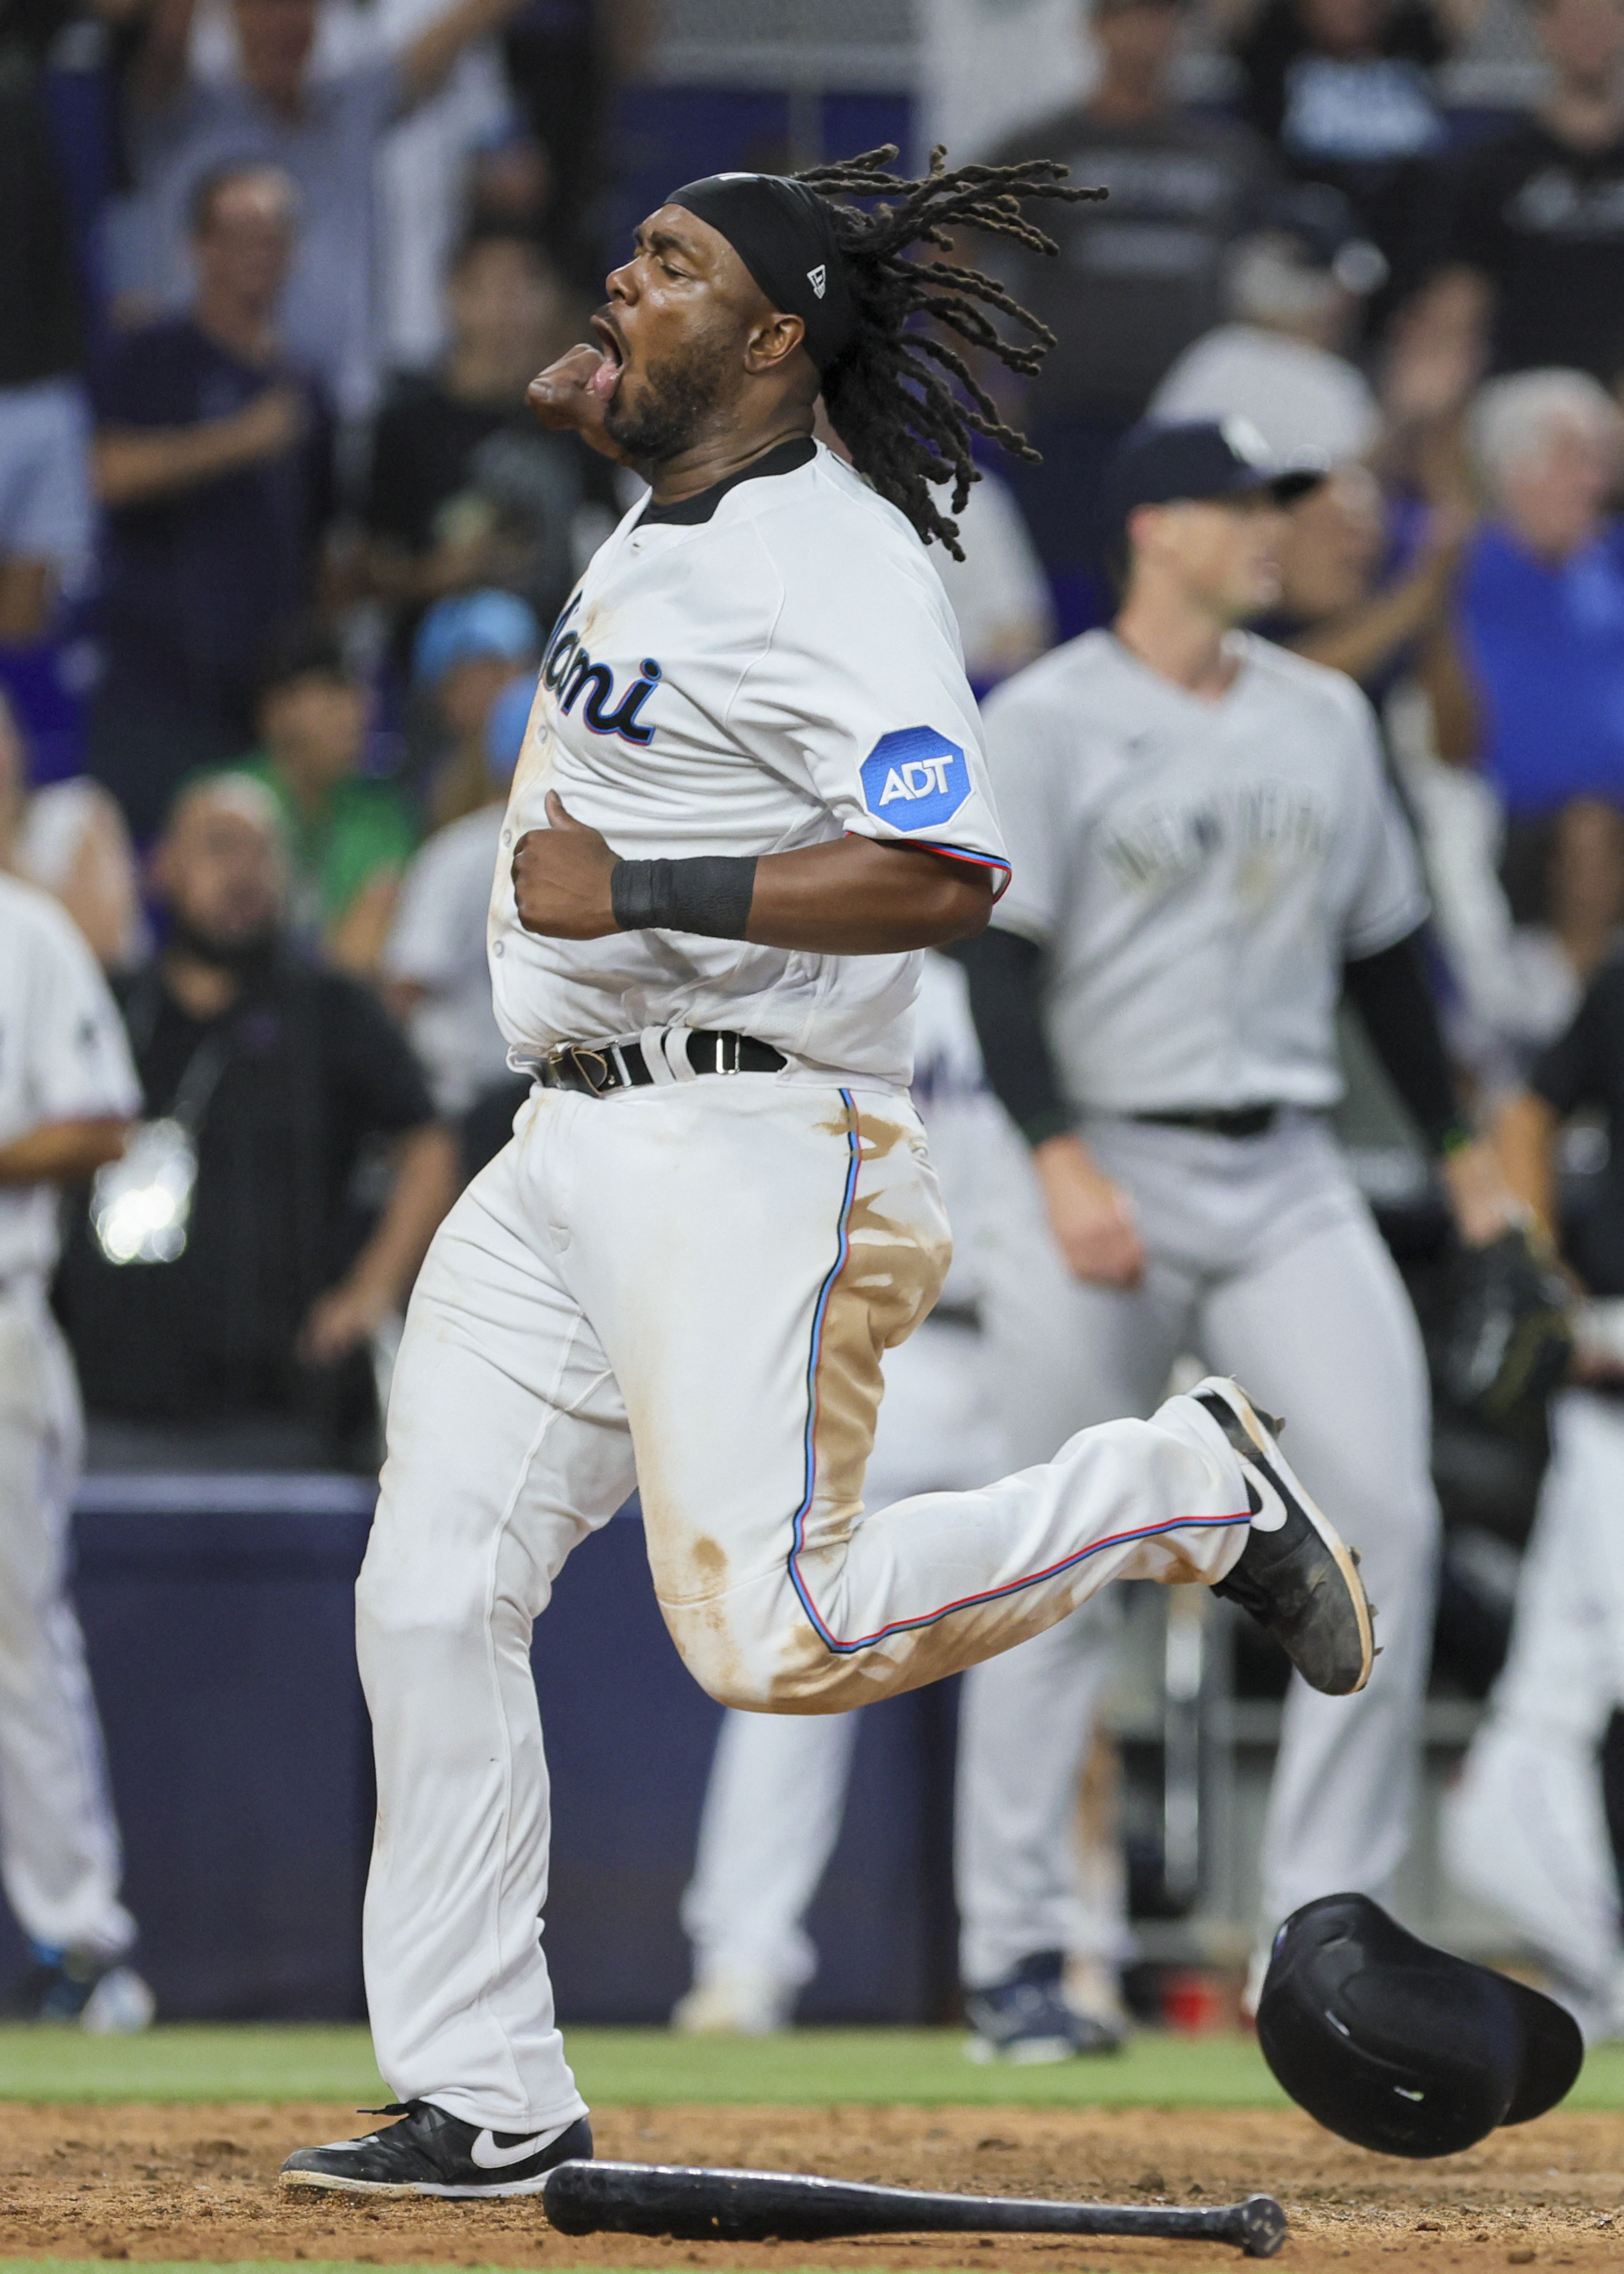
607	378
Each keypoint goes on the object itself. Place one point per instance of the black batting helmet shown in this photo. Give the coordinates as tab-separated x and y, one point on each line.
1401	2047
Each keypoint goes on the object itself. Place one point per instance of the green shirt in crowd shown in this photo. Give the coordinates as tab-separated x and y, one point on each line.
363	827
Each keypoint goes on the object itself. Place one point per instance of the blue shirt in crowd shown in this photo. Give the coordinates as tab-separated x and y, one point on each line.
1545	643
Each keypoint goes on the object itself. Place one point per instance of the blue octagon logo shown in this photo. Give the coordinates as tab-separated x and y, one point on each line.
915	778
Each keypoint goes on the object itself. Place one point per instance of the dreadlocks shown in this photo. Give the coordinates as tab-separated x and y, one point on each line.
903	422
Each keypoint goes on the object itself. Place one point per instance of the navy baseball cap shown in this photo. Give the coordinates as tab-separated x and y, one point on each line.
1197	460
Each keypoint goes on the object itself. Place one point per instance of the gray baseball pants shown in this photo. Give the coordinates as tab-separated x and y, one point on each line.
1264	1262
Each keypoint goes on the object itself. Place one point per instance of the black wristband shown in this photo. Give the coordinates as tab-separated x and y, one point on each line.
711	895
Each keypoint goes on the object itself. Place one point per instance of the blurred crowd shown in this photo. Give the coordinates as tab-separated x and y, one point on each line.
280	544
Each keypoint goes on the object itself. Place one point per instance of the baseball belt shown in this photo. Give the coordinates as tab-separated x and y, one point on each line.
594	1068
1218	1121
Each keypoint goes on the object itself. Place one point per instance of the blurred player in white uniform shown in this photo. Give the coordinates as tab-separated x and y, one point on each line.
752	791
1525	1829
1205	850
67	1094
778	1783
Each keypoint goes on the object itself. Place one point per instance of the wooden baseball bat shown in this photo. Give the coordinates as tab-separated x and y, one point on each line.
698	2205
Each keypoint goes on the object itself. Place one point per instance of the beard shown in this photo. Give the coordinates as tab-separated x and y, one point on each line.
249	957
678	401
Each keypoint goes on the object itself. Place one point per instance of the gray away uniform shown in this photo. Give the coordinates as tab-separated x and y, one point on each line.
1198	872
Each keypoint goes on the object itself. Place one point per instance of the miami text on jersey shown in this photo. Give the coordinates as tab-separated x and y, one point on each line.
569	671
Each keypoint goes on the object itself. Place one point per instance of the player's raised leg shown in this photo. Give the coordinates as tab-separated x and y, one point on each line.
752	1397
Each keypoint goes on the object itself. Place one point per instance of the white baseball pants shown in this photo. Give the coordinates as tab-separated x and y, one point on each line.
59	1851
777	1784
1525	1830
1264	1262
690	1284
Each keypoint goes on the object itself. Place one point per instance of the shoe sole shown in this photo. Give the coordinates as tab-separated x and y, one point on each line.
1029	2052
331	2184
1284	1480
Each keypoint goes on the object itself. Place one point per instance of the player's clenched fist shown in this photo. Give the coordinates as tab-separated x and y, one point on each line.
560	878
1091	1219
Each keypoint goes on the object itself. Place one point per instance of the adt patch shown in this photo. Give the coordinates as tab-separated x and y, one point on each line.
915	778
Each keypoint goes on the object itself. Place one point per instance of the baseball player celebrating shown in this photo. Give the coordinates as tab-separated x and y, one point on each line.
67	1094
752	791
1205	851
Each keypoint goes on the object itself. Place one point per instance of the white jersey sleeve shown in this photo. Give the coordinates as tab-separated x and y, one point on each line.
74	1058
63	1056
1388	900
864	675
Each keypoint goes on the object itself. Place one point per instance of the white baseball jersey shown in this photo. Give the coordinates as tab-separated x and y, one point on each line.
63	1056
1198	870
777	670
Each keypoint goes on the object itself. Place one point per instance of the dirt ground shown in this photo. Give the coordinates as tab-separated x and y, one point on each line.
191	2182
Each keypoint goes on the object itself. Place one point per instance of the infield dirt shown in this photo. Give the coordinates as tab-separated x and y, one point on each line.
200	2182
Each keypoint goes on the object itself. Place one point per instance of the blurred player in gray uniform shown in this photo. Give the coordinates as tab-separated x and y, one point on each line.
67	1094
1206	852
778	1783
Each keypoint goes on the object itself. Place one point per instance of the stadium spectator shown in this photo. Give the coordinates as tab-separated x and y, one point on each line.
71	839
1541	615
45	515
249	1346
466	488
564	58
1295	294
1335	605
1538	212
467	649
1526	1830
214	459
350	835
436	977
1525	857
1137	279
325	132
1346	90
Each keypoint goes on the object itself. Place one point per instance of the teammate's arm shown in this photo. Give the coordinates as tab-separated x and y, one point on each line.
1390	992
425	1185
852	896
63	1152
1092	1218
1524	1139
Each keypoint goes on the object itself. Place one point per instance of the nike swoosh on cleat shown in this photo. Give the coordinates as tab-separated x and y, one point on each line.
489	2157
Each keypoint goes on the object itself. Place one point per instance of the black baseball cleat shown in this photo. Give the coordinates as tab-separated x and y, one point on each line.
432	2153
1295	1578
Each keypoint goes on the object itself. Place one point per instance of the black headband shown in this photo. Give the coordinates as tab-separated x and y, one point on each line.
783	233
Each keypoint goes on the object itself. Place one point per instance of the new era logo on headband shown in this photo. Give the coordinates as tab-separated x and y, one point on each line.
818	278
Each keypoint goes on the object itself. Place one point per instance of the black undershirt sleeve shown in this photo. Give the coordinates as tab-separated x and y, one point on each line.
1005	973
1390	992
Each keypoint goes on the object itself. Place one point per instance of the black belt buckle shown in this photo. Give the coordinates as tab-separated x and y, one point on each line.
570	1067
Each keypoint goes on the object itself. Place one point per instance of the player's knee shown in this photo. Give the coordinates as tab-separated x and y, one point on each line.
780	1678
396	1599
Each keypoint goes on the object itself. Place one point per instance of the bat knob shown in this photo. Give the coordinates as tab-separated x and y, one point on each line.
1262	2226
